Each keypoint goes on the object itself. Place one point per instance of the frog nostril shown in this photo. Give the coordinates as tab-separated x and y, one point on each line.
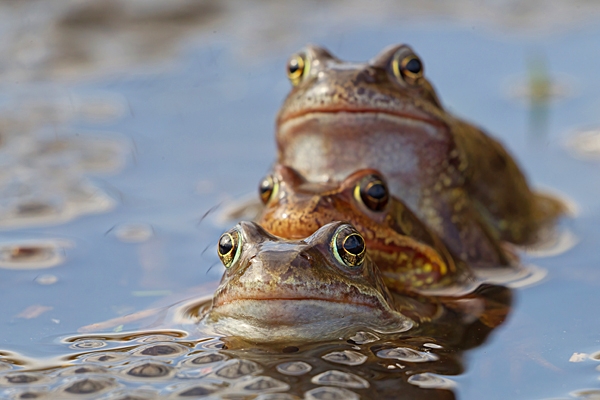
305	256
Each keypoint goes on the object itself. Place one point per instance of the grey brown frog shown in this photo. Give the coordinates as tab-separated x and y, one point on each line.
384	114
277	289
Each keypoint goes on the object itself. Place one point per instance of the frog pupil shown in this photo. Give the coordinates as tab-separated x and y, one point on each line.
293	66
373	193
414	66
225	244
265	187
354	244
377	191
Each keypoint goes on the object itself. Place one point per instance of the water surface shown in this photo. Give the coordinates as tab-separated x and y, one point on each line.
126	127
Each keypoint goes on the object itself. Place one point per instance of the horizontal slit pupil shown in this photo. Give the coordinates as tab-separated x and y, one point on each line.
264	188
377	191
414	66
225	245
353	245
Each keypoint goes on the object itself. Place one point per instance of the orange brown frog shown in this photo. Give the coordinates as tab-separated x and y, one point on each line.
384	114
409	255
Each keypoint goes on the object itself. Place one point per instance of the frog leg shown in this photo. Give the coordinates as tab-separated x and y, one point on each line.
454	217
499	189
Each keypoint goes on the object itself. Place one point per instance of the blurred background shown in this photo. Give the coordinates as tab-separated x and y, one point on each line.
128	126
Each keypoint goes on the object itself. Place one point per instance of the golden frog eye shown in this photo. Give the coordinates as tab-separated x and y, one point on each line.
408	68
372	192
297	67
229	247
268	188
348	246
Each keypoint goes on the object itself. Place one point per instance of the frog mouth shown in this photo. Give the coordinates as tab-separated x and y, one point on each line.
299	311
232	300
360	111
356	120
285	319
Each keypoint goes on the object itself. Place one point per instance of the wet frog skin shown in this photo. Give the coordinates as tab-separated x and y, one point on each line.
409	255
384	114
275	289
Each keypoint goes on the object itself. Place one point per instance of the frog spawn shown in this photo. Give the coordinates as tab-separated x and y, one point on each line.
148	367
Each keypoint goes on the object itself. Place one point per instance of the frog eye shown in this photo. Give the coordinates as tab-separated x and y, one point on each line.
268	188
229	247
348	246
297	67
408	68
372	192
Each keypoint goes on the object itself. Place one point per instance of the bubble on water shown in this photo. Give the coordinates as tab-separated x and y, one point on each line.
69	198
346	357
36	208
134	232
330	393
84	369
201	389
585	144
88	344
108	358
207	358
156	338
33	254
89	385
407	354
235	369
31	394
166	350
265	384
21	378
46	279
150	369
428	380
590	394
364	337
294	368
340	378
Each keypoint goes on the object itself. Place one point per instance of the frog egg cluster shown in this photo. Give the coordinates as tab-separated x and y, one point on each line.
163	366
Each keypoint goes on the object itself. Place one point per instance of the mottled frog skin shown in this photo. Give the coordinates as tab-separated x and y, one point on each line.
410	256
319	287
384	114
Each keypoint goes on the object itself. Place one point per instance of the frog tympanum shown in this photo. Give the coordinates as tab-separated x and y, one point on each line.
384	114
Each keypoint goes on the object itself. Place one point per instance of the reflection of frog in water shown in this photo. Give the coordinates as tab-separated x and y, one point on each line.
409	255
384	114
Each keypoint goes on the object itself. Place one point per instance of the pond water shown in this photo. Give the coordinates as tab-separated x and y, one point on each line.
127	127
